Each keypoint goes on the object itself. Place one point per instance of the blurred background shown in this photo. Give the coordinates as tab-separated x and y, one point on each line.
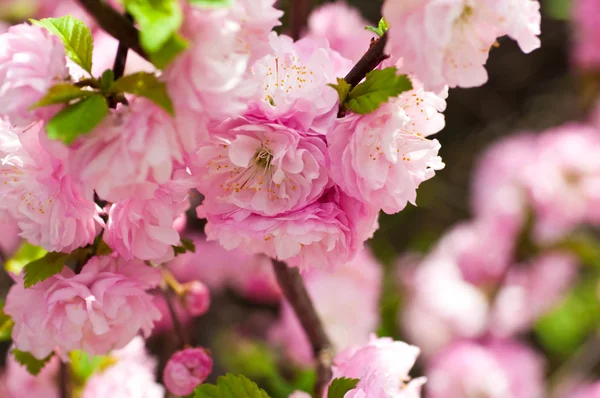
502	297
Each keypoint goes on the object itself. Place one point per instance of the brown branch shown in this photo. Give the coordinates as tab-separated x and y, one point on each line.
115	24
292	285
372	58
121	57
170	296
64	380
299	10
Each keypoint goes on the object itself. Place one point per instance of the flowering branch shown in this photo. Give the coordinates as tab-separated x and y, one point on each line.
115	24
372	58
293	288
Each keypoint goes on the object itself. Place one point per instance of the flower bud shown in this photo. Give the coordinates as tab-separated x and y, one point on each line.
187	369
196	298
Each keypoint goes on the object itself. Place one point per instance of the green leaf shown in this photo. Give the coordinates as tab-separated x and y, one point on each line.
343	88
83	365
43	268
77	119
108	77
378	87
26	254
584	246
230	386
60	94
381	28
212	3
6	324
34	366
76	37
145	85
340	386
188	245
102	249
175	45
557	9
158	21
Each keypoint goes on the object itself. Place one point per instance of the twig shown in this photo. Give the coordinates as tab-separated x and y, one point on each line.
292	285
115	24
63	380
177	326
299	15
121	57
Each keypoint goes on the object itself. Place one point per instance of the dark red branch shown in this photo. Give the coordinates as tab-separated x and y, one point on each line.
292	285
299	10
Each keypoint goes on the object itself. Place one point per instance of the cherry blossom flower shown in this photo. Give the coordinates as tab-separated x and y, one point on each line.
9	237
585	391
586	18
15	379
196	298
448	42
186	369
31	60
102	308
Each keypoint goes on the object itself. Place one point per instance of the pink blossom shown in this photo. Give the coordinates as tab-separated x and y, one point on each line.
196	298
9	238
352	288
132	376
143	227
350	38
441	306
448	42
293	84
382	366
31	60
187	369
50	207
497	368
300	394
530	291
382	158
249	275
585	391
102	308
324	234
260	167
16	379
164	324
586	22
133	150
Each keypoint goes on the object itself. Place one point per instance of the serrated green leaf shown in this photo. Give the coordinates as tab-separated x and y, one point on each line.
381	28
6	324
343	88
108	78
34	366
340	386
212	3
75	36
77	119
43	268
188	245
230	386
60	94
145	85
158	21
26	254
175	45
378	87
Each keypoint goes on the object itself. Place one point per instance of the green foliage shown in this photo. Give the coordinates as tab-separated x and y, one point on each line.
26	254
43	268
76	37
62	93
565	328
169	51
6	324
146	85
230	386
34	366
158	21
343	89
212	3
83	365
340	386
77	119
381	28
557	9
584	246
378	87
107	80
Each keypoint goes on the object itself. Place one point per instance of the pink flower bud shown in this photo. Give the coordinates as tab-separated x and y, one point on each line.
196	298
186	370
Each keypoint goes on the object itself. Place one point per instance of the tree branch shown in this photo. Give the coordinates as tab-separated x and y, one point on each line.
64	380
299	10
121	57
115	24
170	297
292	285
372	58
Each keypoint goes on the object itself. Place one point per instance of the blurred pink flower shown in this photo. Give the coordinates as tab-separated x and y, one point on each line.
300	394
196	298
530	290
585	391
350	38
15	380
293	84
324	234
31	61
130	153
338	296
448	42
106	44
264	168
382	366
186	369
132	376
50	207
102	308
9	237
497	368
586	23
382	158
164	324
